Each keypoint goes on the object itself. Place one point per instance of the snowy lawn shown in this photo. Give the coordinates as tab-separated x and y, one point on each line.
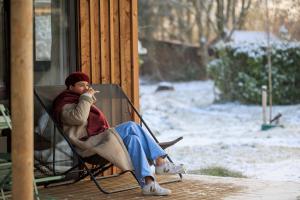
226	135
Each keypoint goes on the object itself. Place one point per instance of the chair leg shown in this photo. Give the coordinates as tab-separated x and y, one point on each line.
71	169
172	181
93	178
101	169
2	193
36	192
95	171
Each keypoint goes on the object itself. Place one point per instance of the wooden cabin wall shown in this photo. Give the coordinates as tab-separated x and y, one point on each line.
108	37
108	50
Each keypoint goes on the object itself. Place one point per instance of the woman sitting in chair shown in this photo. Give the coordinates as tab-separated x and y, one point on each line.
89	131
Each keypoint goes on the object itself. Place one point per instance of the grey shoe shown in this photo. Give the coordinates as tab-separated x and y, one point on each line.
154	189
169	168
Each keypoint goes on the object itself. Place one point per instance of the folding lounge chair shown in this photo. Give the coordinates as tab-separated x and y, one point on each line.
117	108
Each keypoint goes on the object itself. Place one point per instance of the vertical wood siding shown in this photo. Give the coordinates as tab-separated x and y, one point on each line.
108	43
108	37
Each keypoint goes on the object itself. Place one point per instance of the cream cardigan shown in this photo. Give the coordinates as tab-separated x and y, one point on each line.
107	144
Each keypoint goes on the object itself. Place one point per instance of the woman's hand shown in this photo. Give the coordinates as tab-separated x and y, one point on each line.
92	92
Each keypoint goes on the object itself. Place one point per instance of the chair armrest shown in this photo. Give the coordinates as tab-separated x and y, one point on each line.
165	145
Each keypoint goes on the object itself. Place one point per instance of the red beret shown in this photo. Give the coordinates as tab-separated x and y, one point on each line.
76	77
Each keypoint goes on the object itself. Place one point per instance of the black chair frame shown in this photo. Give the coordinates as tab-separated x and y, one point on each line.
94	160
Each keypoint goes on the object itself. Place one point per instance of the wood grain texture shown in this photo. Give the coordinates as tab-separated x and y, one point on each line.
134	53
125	46
108	37
85	44
95	40
105	41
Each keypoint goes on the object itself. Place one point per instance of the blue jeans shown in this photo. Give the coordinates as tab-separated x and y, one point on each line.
141	148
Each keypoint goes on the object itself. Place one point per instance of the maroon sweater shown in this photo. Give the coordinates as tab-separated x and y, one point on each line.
97	122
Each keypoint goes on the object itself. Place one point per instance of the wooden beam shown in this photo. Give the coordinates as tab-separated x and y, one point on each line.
135	58
95	41
85	40
22	98
112	40
113	104
105	41
125	46
116	67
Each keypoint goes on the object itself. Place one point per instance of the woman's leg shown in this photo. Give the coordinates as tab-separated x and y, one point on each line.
151	148
141	148
138	158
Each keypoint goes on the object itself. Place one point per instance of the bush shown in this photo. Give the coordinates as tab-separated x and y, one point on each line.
241	70
218	171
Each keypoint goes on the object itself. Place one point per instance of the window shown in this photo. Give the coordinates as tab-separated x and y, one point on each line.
54	58
4	52
53	41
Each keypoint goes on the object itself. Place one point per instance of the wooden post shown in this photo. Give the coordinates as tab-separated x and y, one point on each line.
135	56
264	103
22	98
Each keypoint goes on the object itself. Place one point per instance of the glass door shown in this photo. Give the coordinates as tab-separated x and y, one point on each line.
4	52
55	47
54	58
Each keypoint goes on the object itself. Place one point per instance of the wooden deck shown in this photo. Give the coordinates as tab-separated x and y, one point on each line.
192	187
186	189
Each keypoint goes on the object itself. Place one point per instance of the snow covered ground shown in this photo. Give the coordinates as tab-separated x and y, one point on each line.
226	135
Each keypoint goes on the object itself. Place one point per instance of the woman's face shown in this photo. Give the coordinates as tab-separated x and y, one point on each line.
80	87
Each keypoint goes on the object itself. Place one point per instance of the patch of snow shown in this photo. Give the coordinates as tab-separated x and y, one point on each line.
226	135
258	49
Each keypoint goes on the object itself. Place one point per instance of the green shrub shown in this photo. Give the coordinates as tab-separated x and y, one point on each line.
218	171
241	70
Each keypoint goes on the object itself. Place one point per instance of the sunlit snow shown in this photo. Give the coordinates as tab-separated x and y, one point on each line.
226	135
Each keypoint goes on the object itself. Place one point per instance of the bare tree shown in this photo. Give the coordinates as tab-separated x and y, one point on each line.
229	16
180	20
213	18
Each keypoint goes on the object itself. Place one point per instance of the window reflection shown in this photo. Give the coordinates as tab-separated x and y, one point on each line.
2	53
51	38
52	64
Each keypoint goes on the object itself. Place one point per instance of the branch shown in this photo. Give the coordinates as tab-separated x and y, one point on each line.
227	12
209	20
208	24
243	12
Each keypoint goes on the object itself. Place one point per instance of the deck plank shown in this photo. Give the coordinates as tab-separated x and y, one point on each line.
187	189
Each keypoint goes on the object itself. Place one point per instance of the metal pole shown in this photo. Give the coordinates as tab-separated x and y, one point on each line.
269	51
22	98
264	103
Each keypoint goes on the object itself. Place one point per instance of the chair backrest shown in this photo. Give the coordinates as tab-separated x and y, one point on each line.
111	100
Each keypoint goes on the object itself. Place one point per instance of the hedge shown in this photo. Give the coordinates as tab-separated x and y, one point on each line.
240	70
